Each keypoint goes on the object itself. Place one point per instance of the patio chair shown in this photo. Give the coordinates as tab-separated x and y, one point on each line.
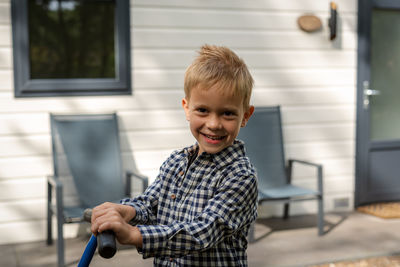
87	169
264	145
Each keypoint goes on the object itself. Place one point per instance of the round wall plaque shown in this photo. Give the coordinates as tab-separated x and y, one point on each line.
309	23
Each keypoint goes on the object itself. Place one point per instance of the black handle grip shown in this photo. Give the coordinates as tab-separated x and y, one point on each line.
107	245
106	240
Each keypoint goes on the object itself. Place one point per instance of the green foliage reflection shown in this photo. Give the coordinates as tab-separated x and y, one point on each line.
71	39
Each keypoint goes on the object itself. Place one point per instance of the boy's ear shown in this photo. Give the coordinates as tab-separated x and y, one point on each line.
185	105
247	116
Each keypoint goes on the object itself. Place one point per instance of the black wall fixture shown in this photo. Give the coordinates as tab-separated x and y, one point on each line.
332	22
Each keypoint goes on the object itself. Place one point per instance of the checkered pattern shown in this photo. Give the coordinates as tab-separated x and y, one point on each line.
198	215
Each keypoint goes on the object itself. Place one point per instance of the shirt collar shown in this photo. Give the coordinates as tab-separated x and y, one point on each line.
222	158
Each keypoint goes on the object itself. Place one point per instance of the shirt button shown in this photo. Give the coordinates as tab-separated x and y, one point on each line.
181	173
173	196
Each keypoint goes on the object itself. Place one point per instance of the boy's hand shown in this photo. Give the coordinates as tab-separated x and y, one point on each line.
115	217
126	212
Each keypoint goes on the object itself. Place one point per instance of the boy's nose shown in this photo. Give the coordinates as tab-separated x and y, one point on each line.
214	122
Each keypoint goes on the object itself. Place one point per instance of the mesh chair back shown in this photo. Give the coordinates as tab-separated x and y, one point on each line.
91	147
264	146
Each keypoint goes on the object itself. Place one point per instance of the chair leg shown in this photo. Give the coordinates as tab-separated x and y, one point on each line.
60	245
49	215
286	211
320	216
60	222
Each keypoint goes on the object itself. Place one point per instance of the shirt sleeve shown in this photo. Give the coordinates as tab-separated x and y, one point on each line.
145	204
232	207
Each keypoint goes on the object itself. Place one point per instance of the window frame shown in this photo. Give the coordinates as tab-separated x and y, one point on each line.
24	86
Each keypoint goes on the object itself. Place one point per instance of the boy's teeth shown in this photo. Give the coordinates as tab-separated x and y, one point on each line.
214	137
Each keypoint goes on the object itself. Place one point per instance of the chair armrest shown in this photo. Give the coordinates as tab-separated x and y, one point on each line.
144	179
304	162
54	182
319	170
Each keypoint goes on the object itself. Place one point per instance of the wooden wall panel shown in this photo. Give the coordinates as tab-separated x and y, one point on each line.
312	78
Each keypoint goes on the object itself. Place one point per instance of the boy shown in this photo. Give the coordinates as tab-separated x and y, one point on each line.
199	209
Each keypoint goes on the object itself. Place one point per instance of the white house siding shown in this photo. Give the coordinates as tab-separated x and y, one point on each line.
312	78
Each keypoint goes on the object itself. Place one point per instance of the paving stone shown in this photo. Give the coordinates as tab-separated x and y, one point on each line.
7	256
293	242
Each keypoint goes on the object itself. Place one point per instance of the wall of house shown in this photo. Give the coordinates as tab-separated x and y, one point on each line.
311	77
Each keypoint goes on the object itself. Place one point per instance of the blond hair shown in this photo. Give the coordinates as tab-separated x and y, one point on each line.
218	65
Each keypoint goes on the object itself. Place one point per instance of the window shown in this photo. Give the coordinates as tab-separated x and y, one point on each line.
71	47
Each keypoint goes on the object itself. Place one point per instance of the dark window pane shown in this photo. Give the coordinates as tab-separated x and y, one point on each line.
71	39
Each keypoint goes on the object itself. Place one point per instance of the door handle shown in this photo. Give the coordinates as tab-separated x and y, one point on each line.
370	92
367	92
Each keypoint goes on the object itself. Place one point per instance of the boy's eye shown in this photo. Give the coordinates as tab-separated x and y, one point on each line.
201	110
229	113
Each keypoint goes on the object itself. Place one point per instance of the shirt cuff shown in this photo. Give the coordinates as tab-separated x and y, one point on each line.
140	217
155	240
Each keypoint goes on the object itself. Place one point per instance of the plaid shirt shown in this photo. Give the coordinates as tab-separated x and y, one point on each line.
198	214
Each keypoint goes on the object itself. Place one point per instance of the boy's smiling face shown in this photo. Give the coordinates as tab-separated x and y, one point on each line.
215	118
